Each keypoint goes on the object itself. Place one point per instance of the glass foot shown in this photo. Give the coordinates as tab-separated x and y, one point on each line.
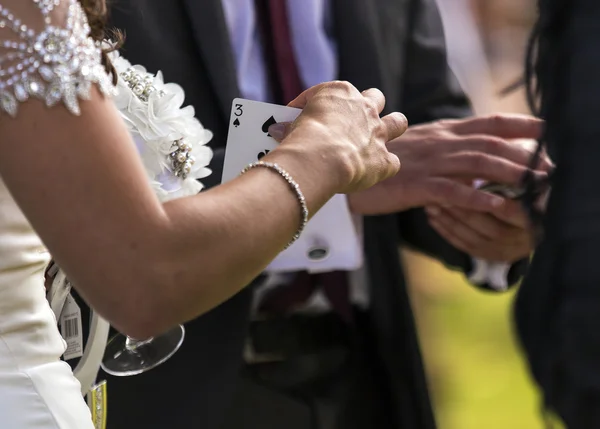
125	356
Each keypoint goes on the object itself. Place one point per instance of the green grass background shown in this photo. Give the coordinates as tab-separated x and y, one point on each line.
477	373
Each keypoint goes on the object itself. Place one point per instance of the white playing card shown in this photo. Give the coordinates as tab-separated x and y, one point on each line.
330	240
248	133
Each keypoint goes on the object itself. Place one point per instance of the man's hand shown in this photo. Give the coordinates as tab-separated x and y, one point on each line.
500	236
441	159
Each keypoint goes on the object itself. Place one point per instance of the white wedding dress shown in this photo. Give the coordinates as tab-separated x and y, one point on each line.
37	389
56	64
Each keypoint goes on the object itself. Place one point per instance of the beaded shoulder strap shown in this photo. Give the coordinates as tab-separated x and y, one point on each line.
57	64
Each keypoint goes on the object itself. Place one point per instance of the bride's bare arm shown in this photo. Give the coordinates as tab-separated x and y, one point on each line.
146	266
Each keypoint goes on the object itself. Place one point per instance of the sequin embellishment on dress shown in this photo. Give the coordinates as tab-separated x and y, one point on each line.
54	65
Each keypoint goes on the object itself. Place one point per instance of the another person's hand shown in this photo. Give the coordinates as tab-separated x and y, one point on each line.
340	129
438	157
500	236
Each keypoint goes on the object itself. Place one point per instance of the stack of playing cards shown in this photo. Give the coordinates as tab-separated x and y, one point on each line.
330	240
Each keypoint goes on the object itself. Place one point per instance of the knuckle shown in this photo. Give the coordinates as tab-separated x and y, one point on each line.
476	161
393	164
380	135
371	109
380	150
496	121
338	86
344	85
492	144
495	118
499	116
444	124
352	160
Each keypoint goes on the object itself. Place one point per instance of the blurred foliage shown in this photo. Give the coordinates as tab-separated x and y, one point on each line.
477	373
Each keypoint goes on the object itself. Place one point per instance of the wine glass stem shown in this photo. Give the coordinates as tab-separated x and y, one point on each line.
131	343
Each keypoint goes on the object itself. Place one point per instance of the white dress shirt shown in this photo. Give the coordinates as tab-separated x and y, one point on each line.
312	38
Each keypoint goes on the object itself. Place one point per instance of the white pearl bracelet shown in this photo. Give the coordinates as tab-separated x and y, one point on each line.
295	188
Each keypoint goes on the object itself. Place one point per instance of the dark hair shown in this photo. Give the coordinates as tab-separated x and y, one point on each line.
542	68
97	15
545	79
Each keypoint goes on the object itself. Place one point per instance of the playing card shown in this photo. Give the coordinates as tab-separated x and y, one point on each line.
330	240
248	139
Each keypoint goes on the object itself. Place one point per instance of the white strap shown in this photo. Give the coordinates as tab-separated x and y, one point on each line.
88	367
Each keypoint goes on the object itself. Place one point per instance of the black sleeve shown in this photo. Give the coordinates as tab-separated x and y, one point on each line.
431	92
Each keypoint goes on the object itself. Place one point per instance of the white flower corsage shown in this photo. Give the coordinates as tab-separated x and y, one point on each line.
170	140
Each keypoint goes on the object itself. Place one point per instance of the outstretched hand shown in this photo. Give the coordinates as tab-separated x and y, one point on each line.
441	159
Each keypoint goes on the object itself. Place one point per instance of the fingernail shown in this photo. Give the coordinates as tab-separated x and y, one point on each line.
277	131
432	211
496	201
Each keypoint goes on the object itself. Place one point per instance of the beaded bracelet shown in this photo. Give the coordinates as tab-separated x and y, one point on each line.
295	188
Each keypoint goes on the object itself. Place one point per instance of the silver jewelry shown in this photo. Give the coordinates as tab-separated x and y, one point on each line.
295	188
182	159
54	65
142	84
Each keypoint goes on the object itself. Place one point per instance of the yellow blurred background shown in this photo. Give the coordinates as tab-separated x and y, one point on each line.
477	374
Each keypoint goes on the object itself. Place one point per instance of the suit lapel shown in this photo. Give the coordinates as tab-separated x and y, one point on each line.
212	38
366	30
356	23
371	38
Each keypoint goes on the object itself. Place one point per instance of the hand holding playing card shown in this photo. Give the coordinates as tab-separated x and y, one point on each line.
336	144
344	128
338	137
441	159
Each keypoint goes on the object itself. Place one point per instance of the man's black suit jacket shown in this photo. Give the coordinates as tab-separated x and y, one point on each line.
394	45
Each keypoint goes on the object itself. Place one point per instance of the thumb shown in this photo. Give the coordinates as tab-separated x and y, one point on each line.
280	130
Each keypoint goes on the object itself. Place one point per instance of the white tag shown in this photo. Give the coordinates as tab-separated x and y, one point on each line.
71	329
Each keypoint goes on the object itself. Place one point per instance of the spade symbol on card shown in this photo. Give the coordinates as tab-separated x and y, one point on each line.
236	123
263	153
267	124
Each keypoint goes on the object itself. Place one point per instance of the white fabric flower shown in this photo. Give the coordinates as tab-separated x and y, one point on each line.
157	121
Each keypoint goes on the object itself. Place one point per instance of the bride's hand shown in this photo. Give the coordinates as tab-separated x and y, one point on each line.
340	128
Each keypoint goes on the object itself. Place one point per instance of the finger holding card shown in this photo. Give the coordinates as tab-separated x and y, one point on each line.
330	240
